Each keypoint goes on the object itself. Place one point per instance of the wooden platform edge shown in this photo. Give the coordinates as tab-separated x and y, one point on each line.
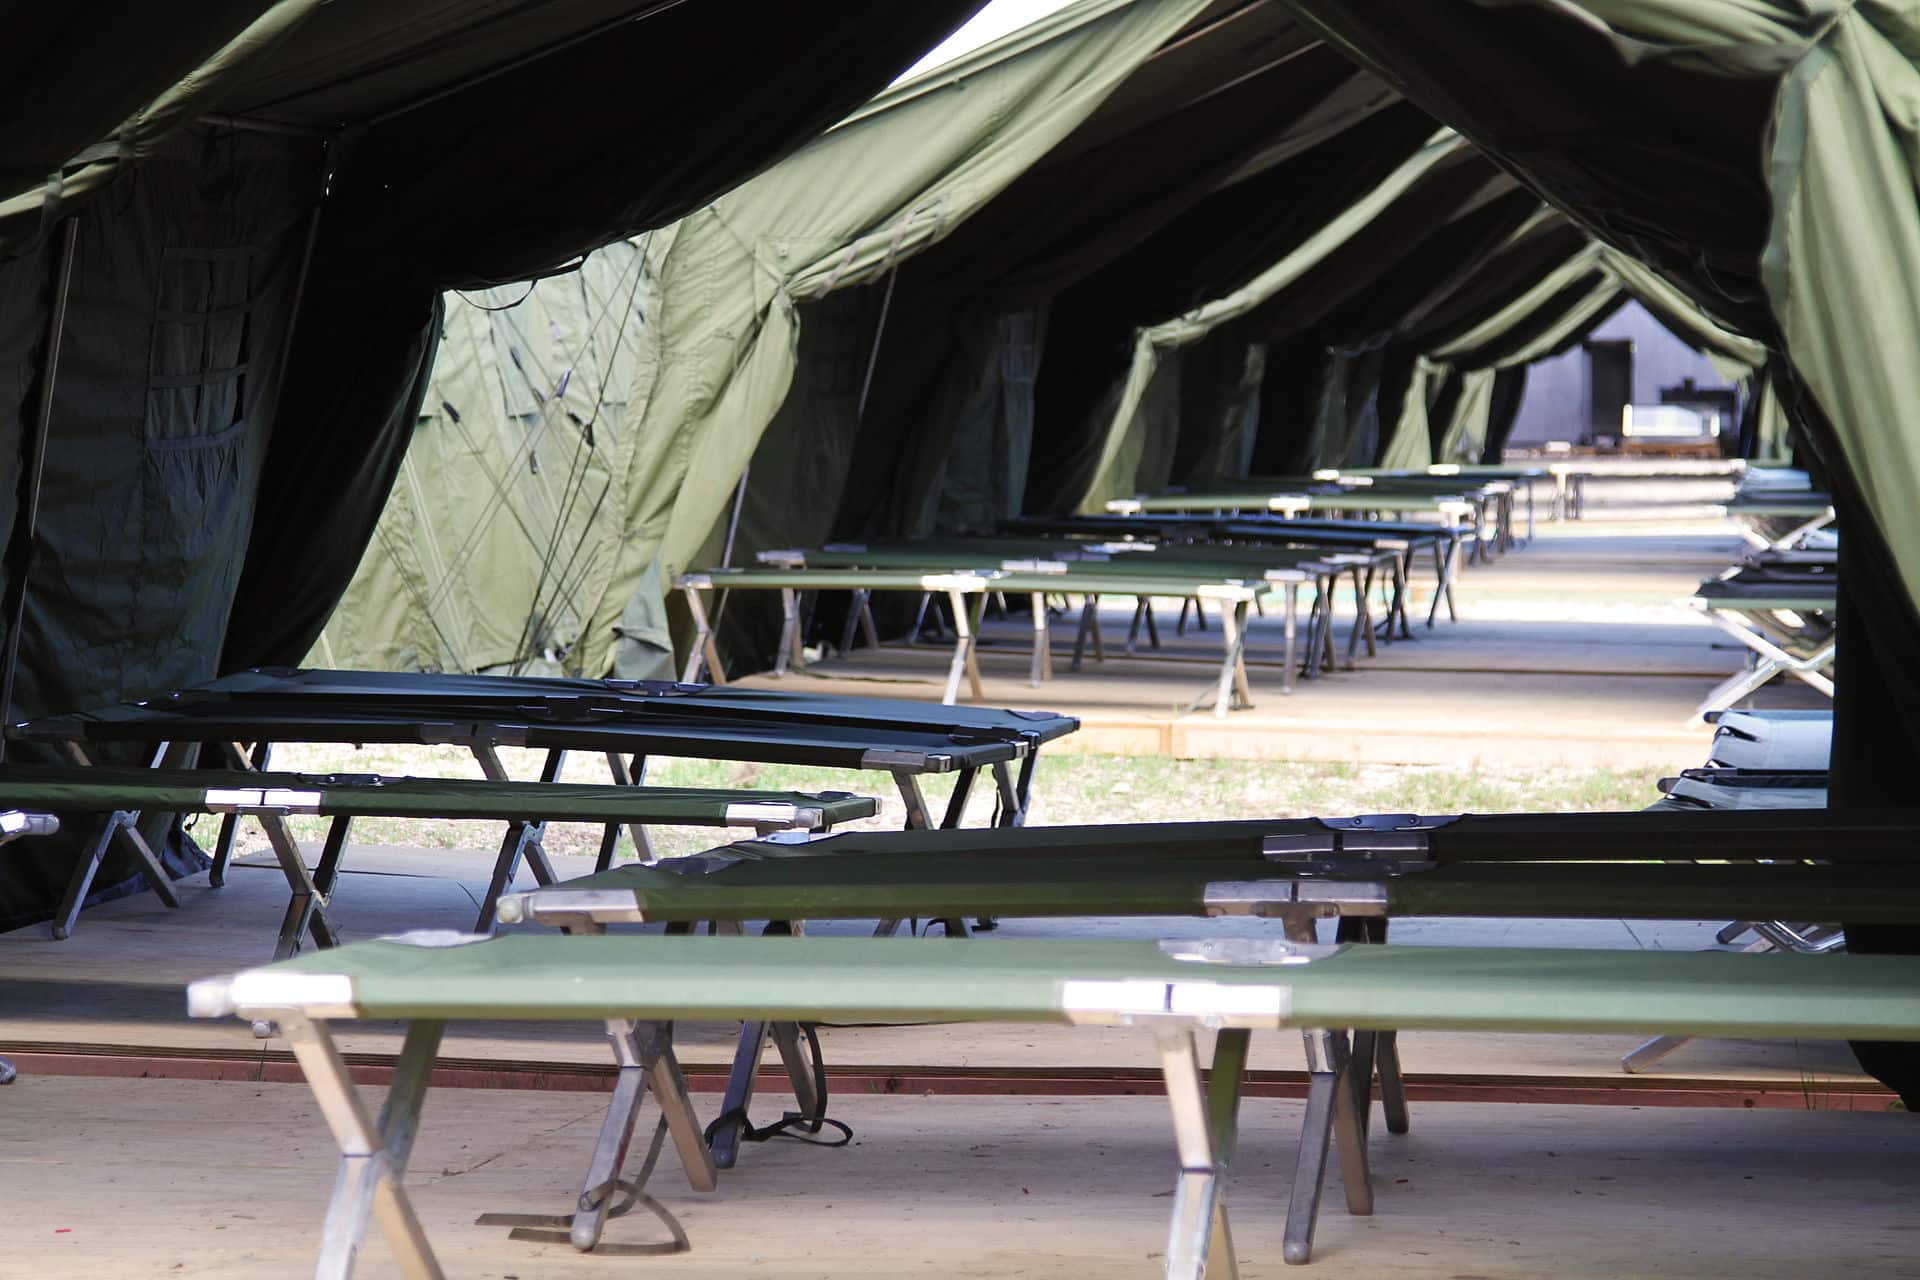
278	1067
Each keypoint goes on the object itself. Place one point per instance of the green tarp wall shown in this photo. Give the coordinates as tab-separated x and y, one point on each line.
218	454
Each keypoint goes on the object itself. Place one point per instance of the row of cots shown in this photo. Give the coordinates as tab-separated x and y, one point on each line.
1229	549
1781	601
1348	998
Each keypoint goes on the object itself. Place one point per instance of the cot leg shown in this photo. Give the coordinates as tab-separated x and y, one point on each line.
1329	659
1291	627
973	645
84	870
1153	630
1651	1053
307	910
645	1058
703	654
124	827
919	817
790	655
523	837
1042	668
1089	625
1362	615
310	895
1393	1088
1230	620
669	1086
1010	800
373	1158
1311	667
625	774
964	662
1180	623
733	1103
793	1056
1205	1124
957	802
230	824
1316	1133
1140	608
1099	643
1402	575
856	611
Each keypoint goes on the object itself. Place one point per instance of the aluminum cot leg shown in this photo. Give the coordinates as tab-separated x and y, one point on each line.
1042	668
746	1061
1291	628
624	774
122	826
311	892
1332	1114
230	824
373	1158
646	1061
965	662
1205	1127
704	654
523	837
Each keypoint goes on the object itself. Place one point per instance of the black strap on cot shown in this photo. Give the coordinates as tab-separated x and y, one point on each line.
540	1228
801	1126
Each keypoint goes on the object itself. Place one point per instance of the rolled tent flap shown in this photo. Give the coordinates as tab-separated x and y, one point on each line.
1116	474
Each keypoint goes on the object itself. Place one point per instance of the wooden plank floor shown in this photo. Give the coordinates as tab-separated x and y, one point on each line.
166	1178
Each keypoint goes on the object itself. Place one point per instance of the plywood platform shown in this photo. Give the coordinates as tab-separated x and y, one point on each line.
172	1178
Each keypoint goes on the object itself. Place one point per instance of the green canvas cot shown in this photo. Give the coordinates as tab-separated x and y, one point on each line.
1171	990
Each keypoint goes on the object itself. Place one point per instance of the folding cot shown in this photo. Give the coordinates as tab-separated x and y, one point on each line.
628	721
121	795
1784	616
1764	511
1172	990
1492	495
1406	539
1288	568
967	594
1723	788
1457	514
1800	740
1359	871
1759	760
1520	478
1570	477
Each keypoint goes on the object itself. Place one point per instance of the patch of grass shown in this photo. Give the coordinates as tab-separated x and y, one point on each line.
1068	789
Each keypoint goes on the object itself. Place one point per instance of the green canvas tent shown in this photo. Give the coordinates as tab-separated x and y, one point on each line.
223	240
1763	157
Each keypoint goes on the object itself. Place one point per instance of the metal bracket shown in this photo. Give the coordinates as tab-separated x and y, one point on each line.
1386	843
1308	899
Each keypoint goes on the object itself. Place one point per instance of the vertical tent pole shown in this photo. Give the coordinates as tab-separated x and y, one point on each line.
26	519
